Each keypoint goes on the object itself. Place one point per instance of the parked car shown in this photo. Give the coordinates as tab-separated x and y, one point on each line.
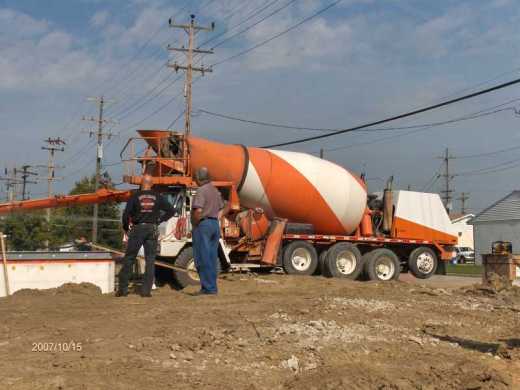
464	255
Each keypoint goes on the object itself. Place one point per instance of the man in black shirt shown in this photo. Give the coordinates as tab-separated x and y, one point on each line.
144	210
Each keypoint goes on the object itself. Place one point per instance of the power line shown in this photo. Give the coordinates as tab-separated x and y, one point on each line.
498	77
130	73
491	169
164	63
400	116
151	114
429	184
426	126
246	19
176	120
127	96
25	174
148	97
322	10
330	130
140	50
269	124
278	10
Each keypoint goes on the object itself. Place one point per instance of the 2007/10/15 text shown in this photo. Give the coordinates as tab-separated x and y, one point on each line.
57	347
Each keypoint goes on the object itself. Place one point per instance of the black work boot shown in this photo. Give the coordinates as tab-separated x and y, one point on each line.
120	293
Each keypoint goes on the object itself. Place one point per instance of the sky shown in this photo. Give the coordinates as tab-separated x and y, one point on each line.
360	61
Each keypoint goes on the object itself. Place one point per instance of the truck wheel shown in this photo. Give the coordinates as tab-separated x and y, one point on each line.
423	262
321	269
363	276
186	260
344	261
383	265
300	258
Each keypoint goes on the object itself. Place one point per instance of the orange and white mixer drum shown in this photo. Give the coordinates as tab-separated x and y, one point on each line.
292	185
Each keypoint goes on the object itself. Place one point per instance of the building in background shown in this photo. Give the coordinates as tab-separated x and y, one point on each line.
463	230
499	222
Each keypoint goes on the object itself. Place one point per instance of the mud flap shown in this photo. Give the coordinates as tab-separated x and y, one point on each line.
273	243
441	268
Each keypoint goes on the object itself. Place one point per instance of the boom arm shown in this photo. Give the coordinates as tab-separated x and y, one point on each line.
101	196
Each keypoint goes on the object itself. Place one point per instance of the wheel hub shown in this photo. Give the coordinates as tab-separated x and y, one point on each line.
346	262
301	259
425	263
385	268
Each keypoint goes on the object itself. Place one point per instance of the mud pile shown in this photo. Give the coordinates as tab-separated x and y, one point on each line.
268	332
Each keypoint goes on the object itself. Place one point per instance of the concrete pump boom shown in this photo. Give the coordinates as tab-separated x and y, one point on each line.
100	196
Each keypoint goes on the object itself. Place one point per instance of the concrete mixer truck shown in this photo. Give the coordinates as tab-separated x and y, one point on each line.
289	210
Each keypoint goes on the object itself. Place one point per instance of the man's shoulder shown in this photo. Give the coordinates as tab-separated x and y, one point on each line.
209	188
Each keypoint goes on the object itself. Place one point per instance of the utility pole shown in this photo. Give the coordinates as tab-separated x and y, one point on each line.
464	196
11	182
191	29
54	145
100	134
25	174
448	177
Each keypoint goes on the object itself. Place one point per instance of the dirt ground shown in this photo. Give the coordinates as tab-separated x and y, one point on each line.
265	332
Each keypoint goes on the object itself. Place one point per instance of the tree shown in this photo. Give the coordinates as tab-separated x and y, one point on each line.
76	221
29	231
26	232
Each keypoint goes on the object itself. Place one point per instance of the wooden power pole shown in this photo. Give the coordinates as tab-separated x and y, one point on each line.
464	196
11	184
191	29
53	145
100	135
448	177
25	173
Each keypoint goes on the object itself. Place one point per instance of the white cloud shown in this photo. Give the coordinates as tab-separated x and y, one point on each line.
100	18
17	25
318	44
39	57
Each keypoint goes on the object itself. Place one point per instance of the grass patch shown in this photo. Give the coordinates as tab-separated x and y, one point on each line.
464	269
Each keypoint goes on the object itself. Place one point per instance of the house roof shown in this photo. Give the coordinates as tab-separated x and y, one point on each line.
505	209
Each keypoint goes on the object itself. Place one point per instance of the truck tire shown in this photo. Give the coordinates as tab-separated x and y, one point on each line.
363	276
423	262
300	258
344	260
321	269
383	265
186	260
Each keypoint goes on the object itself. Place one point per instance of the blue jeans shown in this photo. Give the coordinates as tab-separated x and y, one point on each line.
205	252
